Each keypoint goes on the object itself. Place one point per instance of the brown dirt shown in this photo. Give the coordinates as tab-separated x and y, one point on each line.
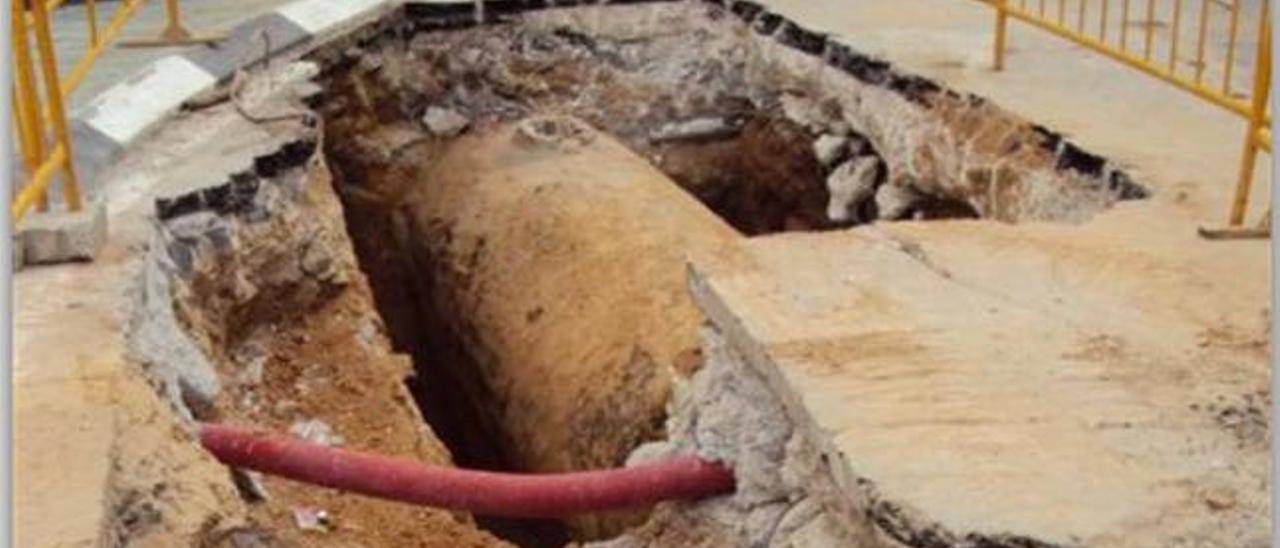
323	356
764	180
508	247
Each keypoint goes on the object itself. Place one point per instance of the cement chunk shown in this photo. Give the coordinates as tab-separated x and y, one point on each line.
55	237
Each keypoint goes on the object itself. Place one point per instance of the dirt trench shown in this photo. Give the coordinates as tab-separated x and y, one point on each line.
485	263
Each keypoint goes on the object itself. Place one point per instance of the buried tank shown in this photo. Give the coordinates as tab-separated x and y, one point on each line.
540	267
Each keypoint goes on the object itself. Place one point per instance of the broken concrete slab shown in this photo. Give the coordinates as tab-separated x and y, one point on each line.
967	357
61	236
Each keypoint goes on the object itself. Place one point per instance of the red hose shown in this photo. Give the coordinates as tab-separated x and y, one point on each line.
484	493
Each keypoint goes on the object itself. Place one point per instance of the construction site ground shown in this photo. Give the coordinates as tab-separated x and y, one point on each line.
1114	371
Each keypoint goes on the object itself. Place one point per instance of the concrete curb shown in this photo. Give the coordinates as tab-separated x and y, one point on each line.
126	113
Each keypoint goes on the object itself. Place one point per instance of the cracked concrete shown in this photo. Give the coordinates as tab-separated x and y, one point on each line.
957	368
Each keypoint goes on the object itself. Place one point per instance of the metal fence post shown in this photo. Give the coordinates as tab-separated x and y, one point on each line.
1257	122
58	116
1002	24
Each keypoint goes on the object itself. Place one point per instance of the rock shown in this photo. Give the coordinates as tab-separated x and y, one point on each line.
830	149
54	237
802	111
367	331
850	185
895	201
1219	499
316	431
250	484
19	255
312	519
695	128
443	122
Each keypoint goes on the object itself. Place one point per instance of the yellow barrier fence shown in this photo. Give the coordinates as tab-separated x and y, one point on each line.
1104	27
39	105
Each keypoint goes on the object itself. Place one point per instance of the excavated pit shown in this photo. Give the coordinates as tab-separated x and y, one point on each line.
518	201
772	127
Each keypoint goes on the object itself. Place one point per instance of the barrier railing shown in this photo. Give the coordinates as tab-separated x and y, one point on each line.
1104	27
39	104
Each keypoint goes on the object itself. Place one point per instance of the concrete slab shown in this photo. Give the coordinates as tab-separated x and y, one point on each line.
245	44
1051	382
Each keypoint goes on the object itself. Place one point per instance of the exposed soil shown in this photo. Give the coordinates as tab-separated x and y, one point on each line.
294	337
487	259
684	104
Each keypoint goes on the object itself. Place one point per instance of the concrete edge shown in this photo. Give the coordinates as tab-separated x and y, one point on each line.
126	113
853	493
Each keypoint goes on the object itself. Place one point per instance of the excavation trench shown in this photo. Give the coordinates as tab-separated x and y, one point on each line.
523	199
524	196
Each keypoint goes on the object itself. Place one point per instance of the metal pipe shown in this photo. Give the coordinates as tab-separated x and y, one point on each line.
1204	30
1124	26
1257	120
91	13
1102	26
1173	43
35	189
1150	25
1207	93
1002	29
479	492
57	116
118	20
1231	47
27	98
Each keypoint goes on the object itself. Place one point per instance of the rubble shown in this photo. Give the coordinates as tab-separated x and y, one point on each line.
695	128
852	184
894	201
444	122
831	149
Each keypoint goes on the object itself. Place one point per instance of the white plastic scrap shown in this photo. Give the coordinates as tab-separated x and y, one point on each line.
316	431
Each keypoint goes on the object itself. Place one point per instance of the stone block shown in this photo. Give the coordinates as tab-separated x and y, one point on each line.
61	236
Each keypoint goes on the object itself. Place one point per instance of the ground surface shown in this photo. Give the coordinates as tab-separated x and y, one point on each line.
1127	338
970	368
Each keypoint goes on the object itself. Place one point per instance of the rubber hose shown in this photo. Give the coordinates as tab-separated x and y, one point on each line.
478	492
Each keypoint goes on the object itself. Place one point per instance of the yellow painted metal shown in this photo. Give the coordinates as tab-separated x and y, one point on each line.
27	98
39	112
1204	33
1231	47
1002	27
37	187
1209	94
1174	36
1150	25
91	13
122	15
58	116
1252	108
173	33
25	92
1102	27
1255	135
1124	26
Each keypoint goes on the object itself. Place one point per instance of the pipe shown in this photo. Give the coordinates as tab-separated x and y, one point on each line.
478	492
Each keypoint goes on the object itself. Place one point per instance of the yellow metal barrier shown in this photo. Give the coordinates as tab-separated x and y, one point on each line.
1117	46
39	105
